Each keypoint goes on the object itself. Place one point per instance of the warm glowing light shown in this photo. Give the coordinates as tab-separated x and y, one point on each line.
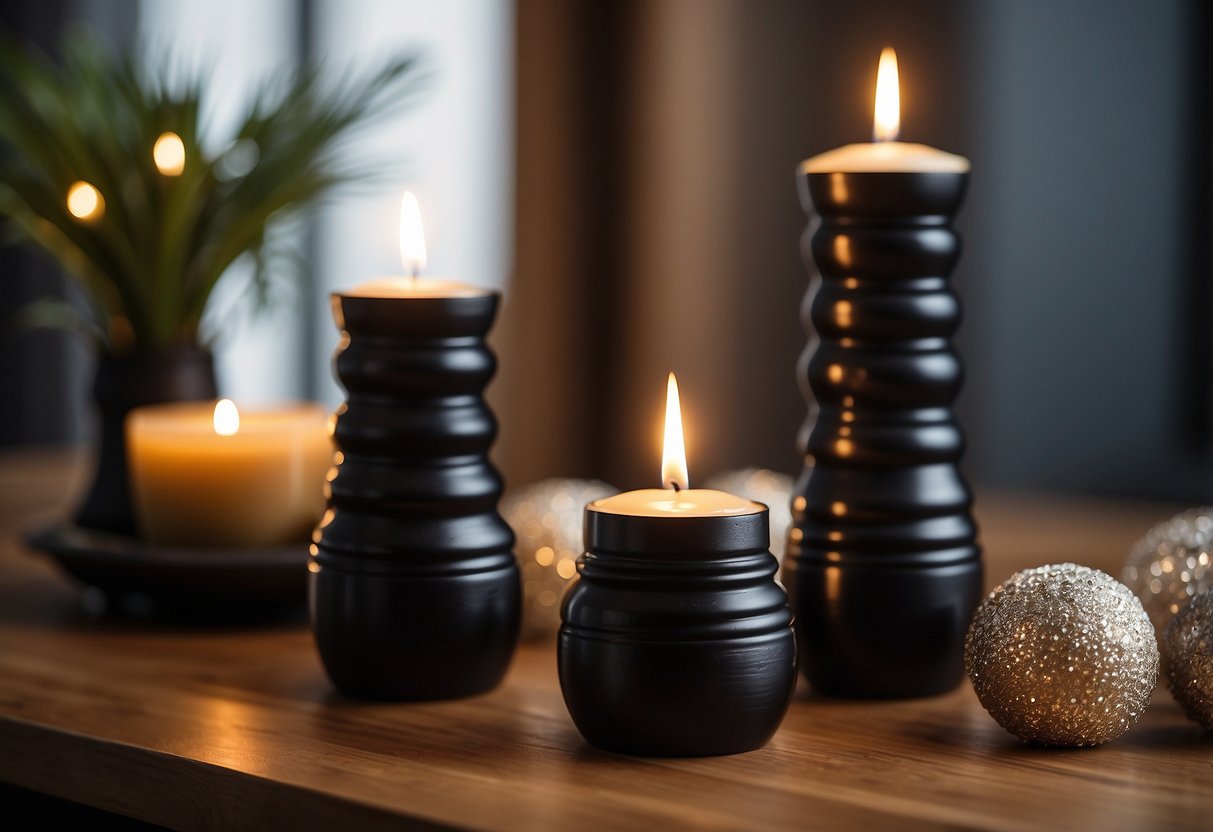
169	154
84	202
842	251
412	235
674	449
227	418
838	188
887	122
842	314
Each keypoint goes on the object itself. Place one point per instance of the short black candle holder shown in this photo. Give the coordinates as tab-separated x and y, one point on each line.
414	591
677	641
883	568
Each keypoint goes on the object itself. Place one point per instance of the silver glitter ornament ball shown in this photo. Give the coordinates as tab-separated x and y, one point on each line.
1062	655
764	486
547	519
1172	564
1187	649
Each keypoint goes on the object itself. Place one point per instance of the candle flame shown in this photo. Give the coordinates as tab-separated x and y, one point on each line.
412	235
887	121
227	418
169	154
674	453
84	202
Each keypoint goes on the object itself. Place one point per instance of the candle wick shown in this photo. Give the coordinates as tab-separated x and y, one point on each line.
675	486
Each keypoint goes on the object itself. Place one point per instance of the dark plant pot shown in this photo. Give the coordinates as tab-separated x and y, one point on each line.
123	383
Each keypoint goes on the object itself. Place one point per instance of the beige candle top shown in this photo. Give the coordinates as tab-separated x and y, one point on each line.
886	157
666	502
886	154
414	287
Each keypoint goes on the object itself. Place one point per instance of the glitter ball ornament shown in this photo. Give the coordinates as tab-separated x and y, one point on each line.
1172	564
1062	655
1187	649
547	518
768	487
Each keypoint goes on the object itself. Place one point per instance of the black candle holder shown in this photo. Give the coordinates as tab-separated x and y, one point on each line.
414	590
883	568
677	641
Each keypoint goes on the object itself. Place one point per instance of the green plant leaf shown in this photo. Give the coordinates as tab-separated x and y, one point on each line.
162	243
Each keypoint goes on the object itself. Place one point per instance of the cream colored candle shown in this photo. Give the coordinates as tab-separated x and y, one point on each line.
886	154
666	502
414	287
678	499
203	474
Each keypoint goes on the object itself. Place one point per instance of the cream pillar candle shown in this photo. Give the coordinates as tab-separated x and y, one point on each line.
203	474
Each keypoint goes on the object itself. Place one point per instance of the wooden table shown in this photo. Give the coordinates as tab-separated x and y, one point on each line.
199	729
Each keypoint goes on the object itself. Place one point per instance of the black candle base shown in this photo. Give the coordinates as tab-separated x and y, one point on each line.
410	636
414	591
882	632
677	641
672	699
883	568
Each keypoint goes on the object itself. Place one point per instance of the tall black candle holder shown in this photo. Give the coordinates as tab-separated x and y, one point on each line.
883	568
677	641
414	590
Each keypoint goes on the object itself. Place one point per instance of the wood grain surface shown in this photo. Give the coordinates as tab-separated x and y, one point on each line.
239	729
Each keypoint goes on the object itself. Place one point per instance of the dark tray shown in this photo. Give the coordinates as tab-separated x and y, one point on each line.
141	579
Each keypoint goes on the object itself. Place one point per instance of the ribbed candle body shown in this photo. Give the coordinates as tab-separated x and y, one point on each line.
677	641
883	568
414	591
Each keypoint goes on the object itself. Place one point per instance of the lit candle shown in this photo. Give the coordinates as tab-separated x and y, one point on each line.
677	641
204	474
414	587
882	567
413	284
677	498
885	154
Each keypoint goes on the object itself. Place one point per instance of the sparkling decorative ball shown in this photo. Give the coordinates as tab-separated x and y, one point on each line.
1187	648
547	518
765	486
1062	655
1172	564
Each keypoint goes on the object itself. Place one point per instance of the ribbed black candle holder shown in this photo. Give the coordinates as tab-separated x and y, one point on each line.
677	641
883	569
414	591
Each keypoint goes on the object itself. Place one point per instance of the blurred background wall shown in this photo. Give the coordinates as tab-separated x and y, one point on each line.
625	171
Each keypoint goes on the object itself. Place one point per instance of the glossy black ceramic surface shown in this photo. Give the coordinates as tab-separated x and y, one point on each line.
676	640
414	592
883	568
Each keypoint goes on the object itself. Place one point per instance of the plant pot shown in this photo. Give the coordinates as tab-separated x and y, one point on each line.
123	383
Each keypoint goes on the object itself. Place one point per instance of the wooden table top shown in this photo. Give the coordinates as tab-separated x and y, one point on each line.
238	728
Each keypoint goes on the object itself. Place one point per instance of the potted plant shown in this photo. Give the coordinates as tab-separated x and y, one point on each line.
102	164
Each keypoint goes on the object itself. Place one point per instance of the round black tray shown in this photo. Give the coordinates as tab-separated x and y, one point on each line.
140	579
